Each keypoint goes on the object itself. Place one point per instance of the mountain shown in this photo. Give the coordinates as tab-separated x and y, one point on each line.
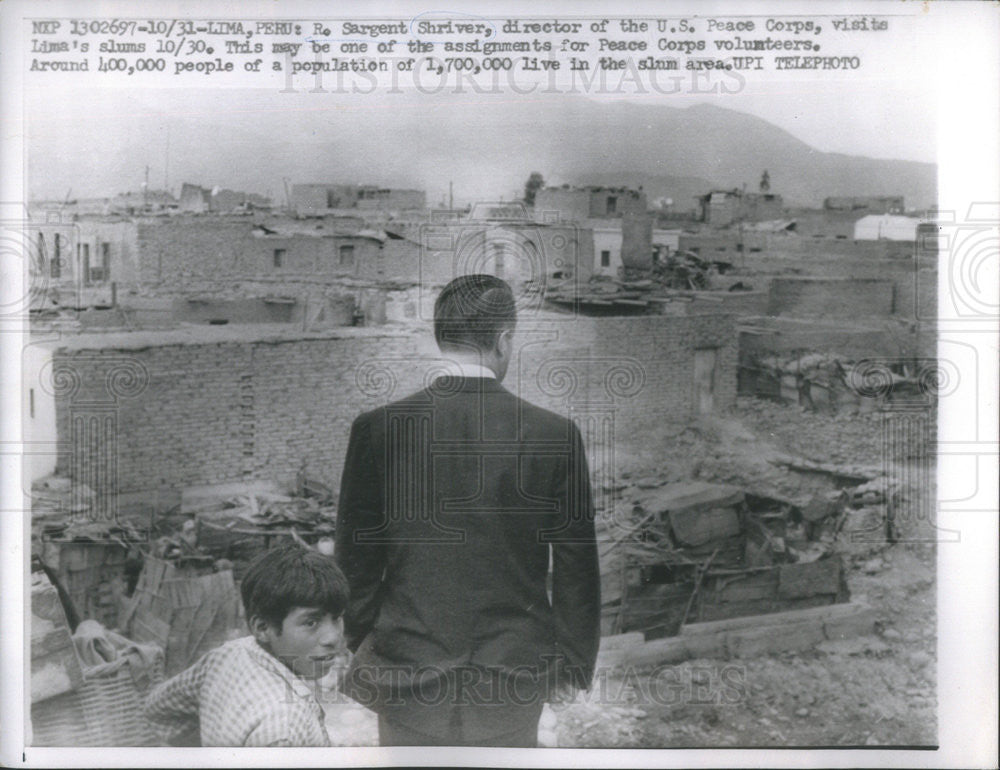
486	145
680	149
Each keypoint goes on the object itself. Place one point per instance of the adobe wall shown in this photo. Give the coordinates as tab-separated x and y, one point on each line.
203	253
223	404
832	297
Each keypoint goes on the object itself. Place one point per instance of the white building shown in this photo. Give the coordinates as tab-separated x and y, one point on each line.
607	250
886	227
666	242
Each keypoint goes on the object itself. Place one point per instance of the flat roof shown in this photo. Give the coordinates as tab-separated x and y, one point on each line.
206	334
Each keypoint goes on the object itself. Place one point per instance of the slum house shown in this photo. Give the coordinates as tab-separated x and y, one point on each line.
618	218
573	204
865	204
226	268
878	227
145	201
790	243
200	200
75	263
665	243
320	199
816	330
825	223
239	259
193	253
68	208
500	239
721	208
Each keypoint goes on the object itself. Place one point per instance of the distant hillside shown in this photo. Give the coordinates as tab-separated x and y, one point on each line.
485	147
680	153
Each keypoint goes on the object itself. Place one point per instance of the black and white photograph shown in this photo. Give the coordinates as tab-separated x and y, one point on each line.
507	384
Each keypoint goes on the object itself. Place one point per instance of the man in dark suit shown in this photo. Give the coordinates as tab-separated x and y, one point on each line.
453	502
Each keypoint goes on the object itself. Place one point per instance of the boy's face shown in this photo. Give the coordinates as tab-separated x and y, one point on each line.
307	642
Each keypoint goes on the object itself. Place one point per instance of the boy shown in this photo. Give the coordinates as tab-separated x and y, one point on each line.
253	691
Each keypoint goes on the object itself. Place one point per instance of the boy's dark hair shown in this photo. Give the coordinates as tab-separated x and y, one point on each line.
292	576
472	310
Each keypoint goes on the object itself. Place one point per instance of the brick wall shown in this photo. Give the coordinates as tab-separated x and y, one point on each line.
786	246
641	366
197	253
832	297
787	336
574	204
432	254
232	409
740	303
569	205
637	240
235	403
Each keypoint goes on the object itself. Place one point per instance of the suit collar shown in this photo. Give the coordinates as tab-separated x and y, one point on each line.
449	383
462	369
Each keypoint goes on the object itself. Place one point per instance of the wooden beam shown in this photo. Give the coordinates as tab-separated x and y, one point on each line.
826	612
746	637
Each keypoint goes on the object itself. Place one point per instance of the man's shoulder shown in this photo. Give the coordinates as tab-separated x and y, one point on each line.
536	419
377	415
543	420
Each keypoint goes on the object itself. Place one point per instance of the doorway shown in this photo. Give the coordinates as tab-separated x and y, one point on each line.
704	379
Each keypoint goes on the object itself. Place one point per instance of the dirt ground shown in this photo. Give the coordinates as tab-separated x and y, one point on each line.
877	690
868	691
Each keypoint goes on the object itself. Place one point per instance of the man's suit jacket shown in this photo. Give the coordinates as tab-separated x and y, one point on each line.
451	501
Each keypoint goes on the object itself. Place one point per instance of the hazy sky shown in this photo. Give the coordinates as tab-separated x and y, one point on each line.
96	142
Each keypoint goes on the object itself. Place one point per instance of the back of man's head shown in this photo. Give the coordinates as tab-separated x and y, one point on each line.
472	311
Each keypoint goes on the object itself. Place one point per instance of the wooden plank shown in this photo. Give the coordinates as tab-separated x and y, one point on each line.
746	608
761	585
149	628
688	494
730	610
746	637
753	642
829	612
706	646
669	650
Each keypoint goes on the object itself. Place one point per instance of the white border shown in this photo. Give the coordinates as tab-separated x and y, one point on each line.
965	46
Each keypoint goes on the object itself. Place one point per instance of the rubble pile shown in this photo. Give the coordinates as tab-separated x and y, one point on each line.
692	551
847	437
239	527
681	277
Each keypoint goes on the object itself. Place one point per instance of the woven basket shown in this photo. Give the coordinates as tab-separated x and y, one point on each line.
60	722
112	701
105	711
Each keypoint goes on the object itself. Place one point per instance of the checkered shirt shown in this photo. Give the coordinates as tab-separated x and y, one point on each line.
241	695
